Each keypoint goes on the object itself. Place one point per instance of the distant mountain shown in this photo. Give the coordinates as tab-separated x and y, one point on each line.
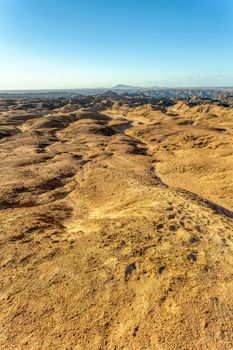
122	87
126	87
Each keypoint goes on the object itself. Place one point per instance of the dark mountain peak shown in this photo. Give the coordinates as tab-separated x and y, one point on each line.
110	93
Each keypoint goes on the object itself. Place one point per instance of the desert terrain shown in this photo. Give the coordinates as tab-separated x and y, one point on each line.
116	225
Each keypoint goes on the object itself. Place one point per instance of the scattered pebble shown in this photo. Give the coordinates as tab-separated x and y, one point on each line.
171	216
192	257
135	330
129	269
161	269
194	240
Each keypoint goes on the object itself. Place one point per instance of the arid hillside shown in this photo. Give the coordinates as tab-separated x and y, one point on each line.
116	226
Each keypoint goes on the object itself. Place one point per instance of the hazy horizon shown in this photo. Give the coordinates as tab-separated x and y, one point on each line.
112	87
59	45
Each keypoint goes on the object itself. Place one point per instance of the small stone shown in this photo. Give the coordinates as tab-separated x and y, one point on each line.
129	269
171	216
194	240
169	208
161	269
159	226
192	257
135	330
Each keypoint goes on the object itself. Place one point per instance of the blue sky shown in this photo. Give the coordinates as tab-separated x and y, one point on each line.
73	43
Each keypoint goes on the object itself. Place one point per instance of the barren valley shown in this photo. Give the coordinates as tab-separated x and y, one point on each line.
116	225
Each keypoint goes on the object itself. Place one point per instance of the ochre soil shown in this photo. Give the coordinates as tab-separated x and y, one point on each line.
116	228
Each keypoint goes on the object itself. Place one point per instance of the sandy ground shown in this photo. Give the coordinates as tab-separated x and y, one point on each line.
116	228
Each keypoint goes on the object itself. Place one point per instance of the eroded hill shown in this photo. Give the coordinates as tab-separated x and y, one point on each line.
116	226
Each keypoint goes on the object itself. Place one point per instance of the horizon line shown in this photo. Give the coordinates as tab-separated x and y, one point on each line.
115	88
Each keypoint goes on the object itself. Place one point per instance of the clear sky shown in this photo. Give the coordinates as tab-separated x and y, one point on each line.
81	43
